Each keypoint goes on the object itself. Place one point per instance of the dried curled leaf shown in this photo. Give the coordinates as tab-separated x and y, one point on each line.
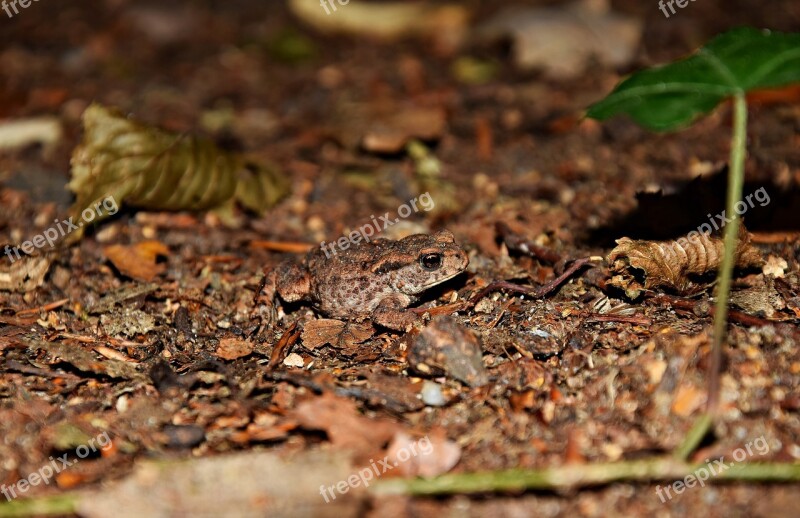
670	263
150	168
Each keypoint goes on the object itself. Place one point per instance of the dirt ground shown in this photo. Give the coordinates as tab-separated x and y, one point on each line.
147	336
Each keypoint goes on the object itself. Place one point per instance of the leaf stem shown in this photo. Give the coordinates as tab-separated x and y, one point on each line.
735	184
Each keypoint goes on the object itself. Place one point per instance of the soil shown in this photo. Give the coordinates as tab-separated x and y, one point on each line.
193	364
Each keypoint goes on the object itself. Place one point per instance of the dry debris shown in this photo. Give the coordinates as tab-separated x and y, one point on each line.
445	347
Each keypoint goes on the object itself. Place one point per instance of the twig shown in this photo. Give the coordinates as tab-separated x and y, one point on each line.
700	308
47	307
536	293
610	317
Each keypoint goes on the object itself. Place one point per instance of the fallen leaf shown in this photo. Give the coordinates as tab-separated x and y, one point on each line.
233	348
345	426
138	261
336	333
128	162
671	263
562	40
447	24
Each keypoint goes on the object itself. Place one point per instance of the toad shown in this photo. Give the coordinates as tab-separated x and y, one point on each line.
378	279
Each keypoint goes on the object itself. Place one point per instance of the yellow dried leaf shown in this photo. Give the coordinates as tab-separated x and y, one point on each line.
147	167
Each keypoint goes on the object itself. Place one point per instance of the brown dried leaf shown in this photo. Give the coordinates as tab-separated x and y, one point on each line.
345	426
335	332
138	261
670	263
386	126
390	134
233	348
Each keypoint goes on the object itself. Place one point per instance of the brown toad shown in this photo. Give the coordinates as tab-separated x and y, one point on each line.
376	280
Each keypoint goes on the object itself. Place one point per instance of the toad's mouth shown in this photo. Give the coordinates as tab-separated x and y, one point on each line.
427	286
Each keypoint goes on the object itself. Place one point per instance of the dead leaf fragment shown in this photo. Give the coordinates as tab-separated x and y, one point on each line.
138	261
15	134
688	399
233	348
671	263
24	274
563	40
391	134
386	126
447	24
345	426
336	333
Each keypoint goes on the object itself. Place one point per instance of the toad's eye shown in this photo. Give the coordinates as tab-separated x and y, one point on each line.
430	262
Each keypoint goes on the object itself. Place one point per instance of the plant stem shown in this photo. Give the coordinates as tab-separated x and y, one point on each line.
735	183
694	436
45	506
583	475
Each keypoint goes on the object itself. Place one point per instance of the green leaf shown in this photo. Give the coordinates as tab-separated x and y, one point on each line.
674	95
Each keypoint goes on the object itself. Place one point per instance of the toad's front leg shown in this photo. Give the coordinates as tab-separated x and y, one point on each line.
392	313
